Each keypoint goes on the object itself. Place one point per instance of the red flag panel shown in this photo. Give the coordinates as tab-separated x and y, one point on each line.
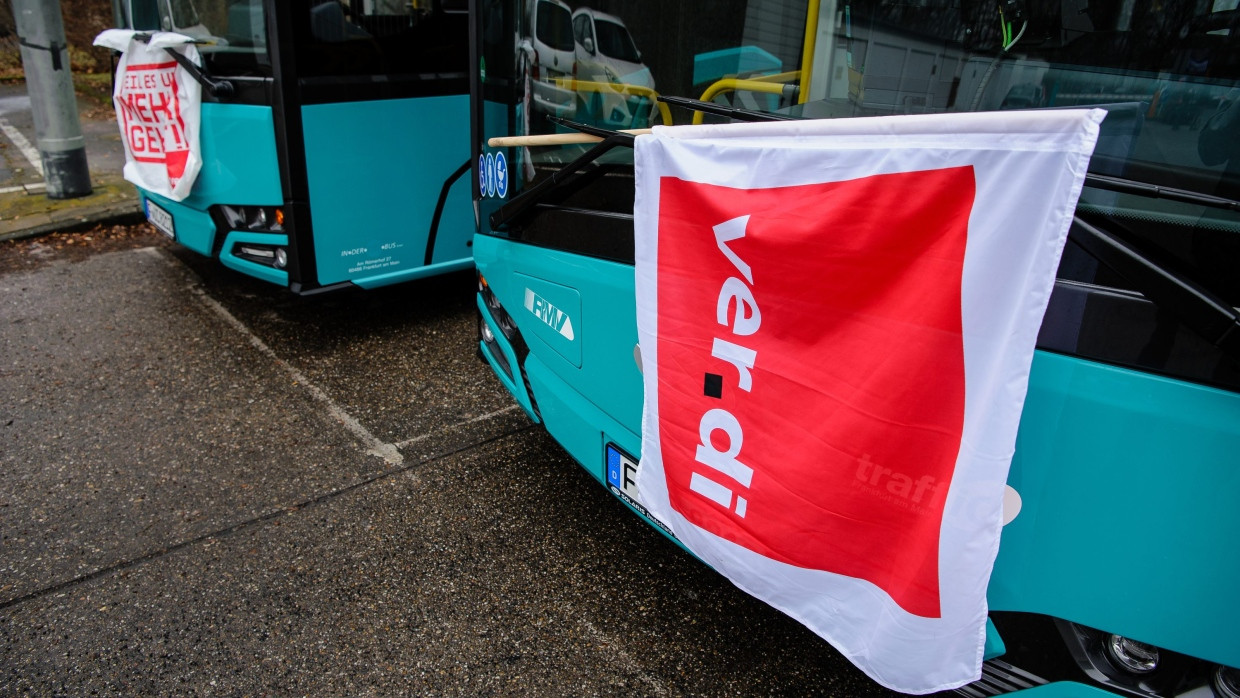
811	369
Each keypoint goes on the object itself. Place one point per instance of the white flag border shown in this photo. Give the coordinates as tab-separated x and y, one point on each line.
834	150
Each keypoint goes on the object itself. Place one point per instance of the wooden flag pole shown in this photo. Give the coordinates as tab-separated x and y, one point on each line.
553	139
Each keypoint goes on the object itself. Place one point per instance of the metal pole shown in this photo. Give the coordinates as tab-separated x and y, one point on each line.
45	59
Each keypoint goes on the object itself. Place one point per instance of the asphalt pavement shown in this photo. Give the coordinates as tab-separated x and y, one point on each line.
209	486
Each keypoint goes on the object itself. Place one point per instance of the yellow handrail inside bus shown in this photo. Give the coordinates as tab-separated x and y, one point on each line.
790	76
618	87
770	84
807	53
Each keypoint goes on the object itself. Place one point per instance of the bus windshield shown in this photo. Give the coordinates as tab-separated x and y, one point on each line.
1167	73
232	34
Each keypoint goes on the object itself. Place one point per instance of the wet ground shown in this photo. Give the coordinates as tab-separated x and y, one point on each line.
209	486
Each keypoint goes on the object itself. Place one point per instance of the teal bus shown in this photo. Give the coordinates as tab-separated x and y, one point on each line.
334	138
1119	575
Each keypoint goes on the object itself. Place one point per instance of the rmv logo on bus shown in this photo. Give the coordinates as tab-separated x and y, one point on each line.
555	318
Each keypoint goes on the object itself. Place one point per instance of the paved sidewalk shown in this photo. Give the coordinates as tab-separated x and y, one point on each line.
25	209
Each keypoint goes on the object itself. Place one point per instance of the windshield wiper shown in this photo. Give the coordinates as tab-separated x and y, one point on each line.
726	111
217	88
564	176
603	133
1198	308
1157	191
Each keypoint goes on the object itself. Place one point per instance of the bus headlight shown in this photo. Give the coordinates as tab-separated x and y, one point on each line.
267	255
492	347
490	341
1130	655
258	218
502	318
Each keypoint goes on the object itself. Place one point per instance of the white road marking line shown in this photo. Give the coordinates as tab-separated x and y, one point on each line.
625	659
376	447
388	452
24	187
23	145
479	418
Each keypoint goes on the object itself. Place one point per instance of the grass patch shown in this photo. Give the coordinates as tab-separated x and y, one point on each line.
96	91
10	61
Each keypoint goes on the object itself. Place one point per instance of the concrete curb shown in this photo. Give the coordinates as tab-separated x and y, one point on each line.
106	205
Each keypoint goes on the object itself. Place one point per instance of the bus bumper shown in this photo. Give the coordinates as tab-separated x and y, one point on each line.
261	254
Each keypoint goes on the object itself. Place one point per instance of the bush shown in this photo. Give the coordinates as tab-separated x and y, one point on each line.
83	20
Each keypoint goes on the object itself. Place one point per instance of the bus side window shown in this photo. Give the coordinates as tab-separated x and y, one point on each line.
388	37
328	24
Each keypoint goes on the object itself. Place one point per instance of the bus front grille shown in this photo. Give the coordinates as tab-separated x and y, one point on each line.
999	678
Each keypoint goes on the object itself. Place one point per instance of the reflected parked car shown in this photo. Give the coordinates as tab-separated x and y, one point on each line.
606	53
545	54
605	50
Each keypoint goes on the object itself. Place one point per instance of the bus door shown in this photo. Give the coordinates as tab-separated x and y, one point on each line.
376	113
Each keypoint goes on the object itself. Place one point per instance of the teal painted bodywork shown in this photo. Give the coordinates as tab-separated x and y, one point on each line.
1129	484
994	642
418	273
371	209
1129	481
194	227
260	271
581	427
239	167
375	171
608	371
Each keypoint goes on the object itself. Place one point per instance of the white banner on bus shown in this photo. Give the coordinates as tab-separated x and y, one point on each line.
158	107
837	320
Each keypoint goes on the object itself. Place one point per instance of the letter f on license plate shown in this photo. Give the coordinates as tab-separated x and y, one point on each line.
622	472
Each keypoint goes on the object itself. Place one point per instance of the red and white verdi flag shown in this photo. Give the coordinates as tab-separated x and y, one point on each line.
158	106
837	320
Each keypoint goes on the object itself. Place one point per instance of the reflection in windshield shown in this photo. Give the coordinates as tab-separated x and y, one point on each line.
614	41
223	22
183	13
1166	72
1174	64
232	34
233	27
555	26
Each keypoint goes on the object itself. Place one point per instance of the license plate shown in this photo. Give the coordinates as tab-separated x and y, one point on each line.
622	481
622	473
161	219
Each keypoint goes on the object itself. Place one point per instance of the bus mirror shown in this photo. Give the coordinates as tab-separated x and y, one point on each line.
588	44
